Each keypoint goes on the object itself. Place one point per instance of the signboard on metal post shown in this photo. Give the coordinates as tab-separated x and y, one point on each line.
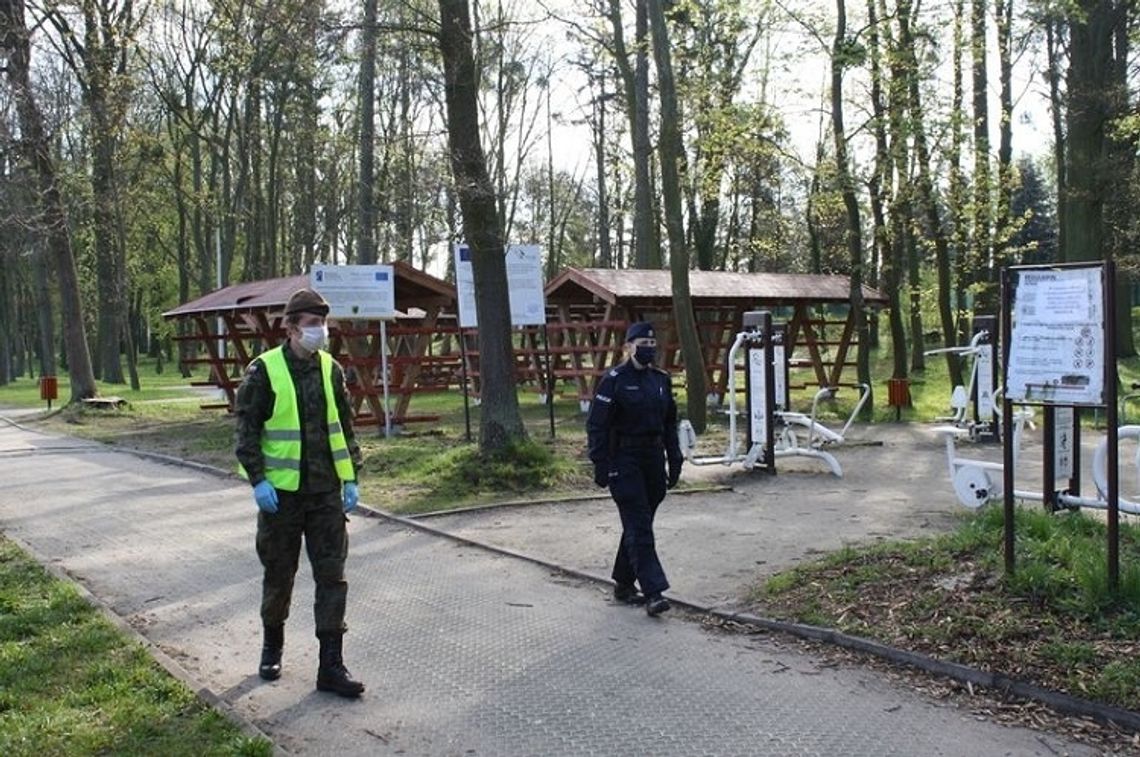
524	286
524	290
366	293
1061	354
1057	342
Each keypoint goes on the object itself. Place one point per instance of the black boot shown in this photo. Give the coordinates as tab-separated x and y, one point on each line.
655	604
333	675
270	668
627	594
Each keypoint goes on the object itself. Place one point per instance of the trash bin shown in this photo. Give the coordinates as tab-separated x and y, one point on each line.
898	395
49	389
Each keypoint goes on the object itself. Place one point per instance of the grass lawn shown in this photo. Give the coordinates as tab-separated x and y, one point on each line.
71	683
167	385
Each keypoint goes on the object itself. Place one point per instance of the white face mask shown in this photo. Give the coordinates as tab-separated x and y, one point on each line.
313	337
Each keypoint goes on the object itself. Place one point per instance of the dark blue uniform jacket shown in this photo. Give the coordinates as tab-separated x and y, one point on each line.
632	409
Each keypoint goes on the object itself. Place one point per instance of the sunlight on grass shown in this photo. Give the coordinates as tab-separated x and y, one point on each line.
70	683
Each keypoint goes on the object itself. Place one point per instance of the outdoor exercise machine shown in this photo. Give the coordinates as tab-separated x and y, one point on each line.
975	406
978	482
773	430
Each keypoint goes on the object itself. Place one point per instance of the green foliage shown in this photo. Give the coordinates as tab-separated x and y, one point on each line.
851	53
70	683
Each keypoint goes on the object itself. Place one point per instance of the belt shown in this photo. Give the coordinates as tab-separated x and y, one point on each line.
650	441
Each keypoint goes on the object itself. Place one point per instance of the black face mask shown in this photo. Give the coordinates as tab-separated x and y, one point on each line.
645	355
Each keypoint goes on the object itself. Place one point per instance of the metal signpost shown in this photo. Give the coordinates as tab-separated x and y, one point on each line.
1060	353
363	293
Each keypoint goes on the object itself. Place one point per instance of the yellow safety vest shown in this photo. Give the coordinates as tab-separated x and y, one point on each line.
281	437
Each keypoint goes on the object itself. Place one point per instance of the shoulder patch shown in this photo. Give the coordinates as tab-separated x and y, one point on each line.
613	371
253	367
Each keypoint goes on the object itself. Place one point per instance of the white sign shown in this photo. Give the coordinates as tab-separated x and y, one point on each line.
356	291
524	286
1057	346
524	283
778	359
757	396
1063	442
984	366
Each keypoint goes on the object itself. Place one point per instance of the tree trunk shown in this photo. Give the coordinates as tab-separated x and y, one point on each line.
983	214
1002	219
881	189
45	319
15	39
926	189
646	240
499	422
672	161
1057	110
7	311
957	200
854	236
605	247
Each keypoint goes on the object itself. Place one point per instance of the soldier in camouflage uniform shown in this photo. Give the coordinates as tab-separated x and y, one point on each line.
296	446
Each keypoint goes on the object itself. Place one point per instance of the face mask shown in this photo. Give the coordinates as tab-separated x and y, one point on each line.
313	337
645	355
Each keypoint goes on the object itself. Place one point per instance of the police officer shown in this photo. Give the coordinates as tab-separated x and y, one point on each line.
296	446
632	432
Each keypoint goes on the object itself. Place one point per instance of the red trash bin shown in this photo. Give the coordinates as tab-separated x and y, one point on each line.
49	389
898	395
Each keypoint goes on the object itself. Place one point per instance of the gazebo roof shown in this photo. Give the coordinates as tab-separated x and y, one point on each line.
414	289
638	286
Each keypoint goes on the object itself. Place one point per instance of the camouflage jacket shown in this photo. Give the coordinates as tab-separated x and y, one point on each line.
254	406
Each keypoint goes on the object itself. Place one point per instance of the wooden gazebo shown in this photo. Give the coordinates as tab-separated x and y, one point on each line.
251	316
593	305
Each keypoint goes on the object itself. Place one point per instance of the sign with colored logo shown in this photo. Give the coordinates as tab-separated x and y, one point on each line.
524	285
366	292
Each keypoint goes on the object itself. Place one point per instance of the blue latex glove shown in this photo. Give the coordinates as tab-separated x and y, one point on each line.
265	496
351	496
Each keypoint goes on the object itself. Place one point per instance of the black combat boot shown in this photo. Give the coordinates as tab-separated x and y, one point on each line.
655	604
627	594
333	675
270	668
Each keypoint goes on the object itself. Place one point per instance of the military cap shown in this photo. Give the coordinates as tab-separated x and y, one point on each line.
638	330
306	301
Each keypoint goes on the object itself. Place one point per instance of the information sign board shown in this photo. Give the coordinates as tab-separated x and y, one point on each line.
524	286
366	292
1057	342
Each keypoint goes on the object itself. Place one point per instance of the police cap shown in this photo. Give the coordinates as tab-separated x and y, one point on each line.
306	301
639	330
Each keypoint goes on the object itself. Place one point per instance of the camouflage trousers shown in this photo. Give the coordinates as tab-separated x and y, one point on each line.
320	519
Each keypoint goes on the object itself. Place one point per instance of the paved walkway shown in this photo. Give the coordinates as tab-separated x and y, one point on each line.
465	652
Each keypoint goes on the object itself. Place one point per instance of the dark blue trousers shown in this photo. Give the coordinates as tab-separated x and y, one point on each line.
638	489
